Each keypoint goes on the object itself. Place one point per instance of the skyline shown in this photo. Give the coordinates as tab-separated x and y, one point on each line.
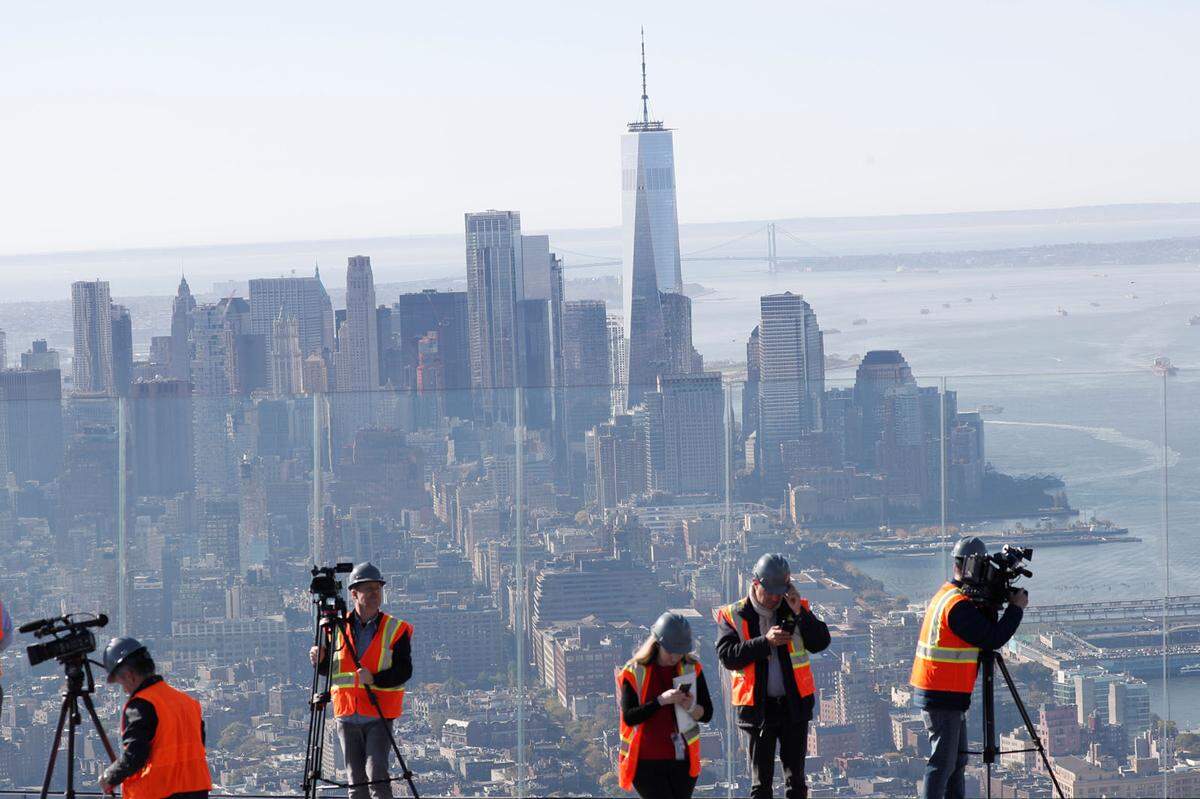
858	130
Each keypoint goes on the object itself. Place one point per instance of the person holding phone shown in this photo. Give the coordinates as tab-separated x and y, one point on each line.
659	758
765	640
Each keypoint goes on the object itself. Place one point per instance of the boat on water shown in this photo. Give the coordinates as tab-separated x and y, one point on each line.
1191	668
1131	296
992	296
992	409
1094	304
1061	311
859	321
1193	321
924	311
967	299
945	305
1162	366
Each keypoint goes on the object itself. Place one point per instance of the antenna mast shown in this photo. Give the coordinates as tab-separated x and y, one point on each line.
645	97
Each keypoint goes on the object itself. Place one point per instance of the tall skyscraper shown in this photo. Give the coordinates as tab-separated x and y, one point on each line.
162	437
360	335
618	362
122	349
539	333
650	244
791	376
494	282
93	357
879	371
693	434
31	402
287	367
445	312
302	297
586	367
181	332
39	357
213	378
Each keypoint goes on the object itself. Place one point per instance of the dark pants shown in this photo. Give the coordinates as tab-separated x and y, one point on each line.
367	748
945	773
663	779
792	738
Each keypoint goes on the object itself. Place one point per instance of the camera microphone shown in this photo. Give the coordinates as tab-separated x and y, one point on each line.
33	626
30	626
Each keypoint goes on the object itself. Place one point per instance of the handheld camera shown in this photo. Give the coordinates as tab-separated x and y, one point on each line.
989	579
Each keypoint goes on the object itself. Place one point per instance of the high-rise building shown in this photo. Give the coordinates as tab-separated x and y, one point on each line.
444	312
31	402
615	462
213	377
618	363
122	349
879	371
93	357
302	297
162	437
693	434
39	357
586	369
650	244
287	366
682	357
359	337
494	281
180	359
791	377
539	333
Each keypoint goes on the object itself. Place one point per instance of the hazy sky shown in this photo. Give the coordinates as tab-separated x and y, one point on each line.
135	124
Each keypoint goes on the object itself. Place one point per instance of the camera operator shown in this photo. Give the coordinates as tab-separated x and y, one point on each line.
162	732
384	648
765	640
955	631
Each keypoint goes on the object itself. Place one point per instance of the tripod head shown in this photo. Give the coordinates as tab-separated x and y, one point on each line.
326	591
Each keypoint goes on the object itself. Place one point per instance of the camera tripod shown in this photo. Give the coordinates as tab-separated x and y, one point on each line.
80	687
331	619
988	660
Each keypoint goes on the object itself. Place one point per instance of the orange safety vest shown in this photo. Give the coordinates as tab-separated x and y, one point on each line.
638	676
177	762
350	697
743	682
944	662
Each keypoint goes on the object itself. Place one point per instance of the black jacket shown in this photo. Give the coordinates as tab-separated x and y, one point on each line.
737	654
395	675
140	724
978	627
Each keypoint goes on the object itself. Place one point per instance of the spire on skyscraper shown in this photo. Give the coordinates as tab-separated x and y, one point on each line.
645	97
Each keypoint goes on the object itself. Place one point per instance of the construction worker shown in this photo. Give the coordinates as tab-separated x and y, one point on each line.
383	647
162	732
953	635
765	640
658	759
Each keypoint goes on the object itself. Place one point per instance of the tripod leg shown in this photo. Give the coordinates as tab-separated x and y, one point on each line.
91	709
1033	735
62	718
72	727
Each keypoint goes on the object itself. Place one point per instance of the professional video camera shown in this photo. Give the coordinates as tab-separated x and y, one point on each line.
327	589
71	640
988	579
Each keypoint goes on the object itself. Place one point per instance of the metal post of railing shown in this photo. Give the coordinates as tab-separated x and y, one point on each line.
519	557
1165	756
122	521
727	552
942	455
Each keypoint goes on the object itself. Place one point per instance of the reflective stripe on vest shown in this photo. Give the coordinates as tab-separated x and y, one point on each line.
177	762
638	676
944	662
744	679
349	696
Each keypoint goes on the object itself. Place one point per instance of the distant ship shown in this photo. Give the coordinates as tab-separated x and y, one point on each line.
1131	296
1191	668
1163	366
966	299
945	305
992	296
859	321
1194	320
991	409
924	311
1094	304
1061	311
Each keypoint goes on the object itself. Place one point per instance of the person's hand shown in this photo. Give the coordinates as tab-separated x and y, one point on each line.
1019	597
107	786
314	654
365	677
671	696
777	636
688	701
793	599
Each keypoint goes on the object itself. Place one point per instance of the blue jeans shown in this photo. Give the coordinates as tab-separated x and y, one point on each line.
945	776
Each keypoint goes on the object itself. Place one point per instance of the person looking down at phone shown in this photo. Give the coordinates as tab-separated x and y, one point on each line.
659	755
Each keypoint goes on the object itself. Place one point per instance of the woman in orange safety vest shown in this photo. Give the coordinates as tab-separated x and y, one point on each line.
660	746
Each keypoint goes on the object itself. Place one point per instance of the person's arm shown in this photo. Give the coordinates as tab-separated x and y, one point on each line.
401	669
973	626
141	723
735	653
813	632
6	628
703	699
631	711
